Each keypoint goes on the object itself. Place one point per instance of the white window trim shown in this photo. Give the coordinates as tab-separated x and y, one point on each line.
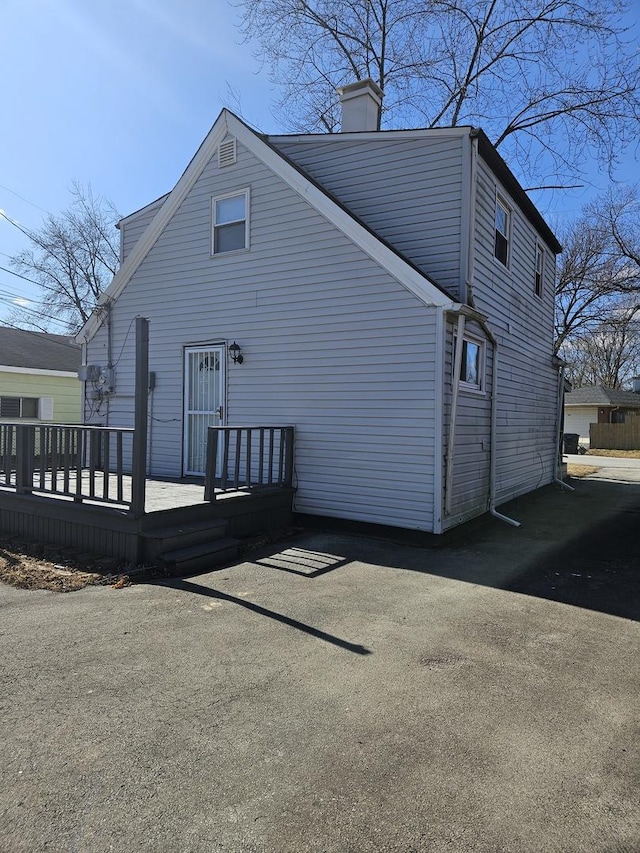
502	202
247	230
539	249
469	387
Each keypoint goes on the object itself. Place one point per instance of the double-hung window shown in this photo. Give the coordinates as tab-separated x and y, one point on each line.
230	217
539	270
503	224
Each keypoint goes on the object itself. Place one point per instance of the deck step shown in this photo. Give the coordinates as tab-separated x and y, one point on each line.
206	555
184	535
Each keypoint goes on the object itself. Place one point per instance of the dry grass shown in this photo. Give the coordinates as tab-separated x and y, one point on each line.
620	454
33	571
577	470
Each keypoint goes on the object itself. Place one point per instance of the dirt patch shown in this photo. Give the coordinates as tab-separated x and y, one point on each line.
577	470
30	565
618	454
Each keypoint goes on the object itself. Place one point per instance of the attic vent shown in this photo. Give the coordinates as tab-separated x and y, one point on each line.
227	153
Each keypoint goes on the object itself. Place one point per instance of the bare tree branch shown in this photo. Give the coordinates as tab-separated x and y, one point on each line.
72	258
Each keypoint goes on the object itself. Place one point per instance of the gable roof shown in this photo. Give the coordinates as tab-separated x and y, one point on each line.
38	350
228	123
600	395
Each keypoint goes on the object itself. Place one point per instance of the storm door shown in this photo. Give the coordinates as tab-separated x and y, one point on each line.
203	403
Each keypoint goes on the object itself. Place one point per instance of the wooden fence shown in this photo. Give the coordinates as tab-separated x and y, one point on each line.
615	436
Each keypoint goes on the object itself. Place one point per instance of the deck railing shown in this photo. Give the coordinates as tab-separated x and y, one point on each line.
68	460
248	458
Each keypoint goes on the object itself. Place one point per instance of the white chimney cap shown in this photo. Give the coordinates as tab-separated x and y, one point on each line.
361	102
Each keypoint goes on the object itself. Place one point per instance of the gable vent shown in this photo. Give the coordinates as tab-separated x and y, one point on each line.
227	153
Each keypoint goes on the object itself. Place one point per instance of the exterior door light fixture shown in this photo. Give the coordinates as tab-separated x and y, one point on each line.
236	353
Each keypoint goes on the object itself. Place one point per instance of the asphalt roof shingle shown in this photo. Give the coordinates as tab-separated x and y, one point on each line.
600	395
38	350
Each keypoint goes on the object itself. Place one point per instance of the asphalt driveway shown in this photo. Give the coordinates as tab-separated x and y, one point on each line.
478	692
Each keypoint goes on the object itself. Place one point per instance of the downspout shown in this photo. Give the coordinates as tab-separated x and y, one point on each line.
494	424
457	365
439	421
558	475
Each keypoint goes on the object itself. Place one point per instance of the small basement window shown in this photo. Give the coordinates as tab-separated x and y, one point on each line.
16	408
230	216
503	222
539	271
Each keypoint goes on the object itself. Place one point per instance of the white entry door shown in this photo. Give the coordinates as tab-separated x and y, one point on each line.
203	402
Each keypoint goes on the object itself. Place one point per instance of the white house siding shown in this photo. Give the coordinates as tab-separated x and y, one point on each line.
132	227
332	344
472	442
577	420
409	191
523	325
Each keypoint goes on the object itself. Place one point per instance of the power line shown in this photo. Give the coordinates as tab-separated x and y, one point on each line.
32	203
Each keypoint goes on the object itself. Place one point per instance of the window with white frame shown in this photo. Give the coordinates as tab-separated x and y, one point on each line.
472	364
230	217
16	408
503	226
539	270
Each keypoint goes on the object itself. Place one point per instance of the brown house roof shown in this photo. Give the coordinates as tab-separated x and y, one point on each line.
600	395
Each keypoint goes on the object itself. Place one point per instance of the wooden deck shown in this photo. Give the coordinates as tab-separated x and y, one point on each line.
73	486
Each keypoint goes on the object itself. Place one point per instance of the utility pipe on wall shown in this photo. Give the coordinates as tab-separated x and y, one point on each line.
457	365
558	474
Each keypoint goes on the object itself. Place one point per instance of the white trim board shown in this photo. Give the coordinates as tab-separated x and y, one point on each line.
38	371
417	283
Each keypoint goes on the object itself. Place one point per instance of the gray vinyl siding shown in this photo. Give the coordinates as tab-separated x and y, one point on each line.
133	226
471	456
409	191
523	325
332	344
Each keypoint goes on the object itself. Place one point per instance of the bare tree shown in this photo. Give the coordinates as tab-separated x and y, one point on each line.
608	354
599	273
71	258
548	80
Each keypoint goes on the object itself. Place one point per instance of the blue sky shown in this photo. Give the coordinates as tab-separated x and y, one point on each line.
119	94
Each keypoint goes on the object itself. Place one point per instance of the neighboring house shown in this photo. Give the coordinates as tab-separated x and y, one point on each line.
39	377
596	404
346	266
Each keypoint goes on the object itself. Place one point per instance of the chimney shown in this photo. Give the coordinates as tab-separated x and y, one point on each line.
360	106
636	384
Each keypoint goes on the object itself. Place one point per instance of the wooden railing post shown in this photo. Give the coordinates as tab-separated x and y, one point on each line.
288	463
212	461
139	461
25	450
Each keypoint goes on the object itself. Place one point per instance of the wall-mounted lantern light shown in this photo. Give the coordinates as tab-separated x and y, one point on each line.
236	353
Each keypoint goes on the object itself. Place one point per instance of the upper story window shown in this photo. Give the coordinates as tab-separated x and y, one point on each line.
539	271
503	226
19	407
230	217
